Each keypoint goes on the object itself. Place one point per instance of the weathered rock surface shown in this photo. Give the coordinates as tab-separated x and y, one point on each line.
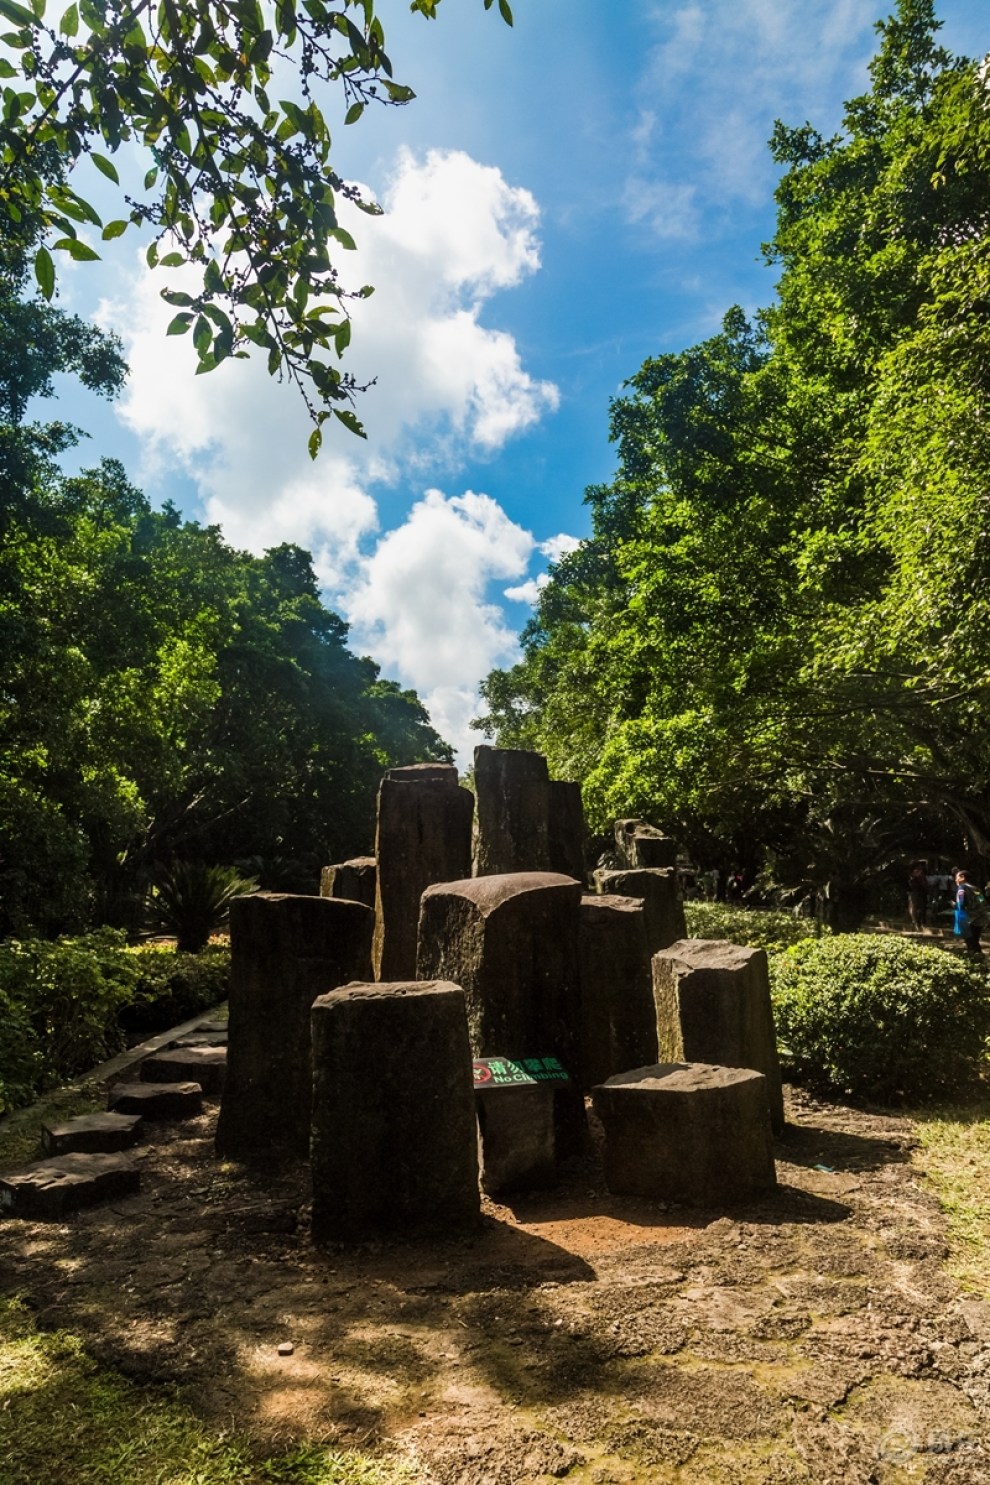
639	844
394	1143
513	787
618	1015
687	1132
660	893
353	880
53	1188
566	830
713	1005
285	950
91	1134
156	1100
206	1066
423	836
518	1143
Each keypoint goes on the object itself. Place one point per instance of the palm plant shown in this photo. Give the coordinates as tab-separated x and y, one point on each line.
192	900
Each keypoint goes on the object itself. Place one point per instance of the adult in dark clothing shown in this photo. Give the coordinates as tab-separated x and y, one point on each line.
969	914
918	896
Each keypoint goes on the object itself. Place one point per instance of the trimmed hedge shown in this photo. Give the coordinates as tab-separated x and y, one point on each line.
67	1004
754	928
881	1018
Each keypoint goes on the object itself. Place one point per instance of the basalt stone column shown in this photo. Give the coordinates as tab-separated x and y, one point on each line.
394	1140
658	889
511	942
424	836
566	824
641	845
618	1016
353	880
713	1005
513	788
285	950
687	1132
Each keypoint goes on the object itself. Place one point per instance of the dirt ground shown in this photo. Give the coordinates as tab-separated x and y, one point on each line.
812	1337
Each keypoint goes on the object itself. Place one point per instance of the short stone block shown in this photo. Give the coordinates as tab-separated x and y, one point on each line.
395	1143
713	1005
201	1039
353	880
687	1132
206	1066
157	1100
639	844
50	1190
91	1134
517	1137
659	891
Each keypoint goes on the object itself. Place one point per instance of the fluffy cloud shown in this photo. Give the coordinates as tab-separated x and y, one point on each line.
454	233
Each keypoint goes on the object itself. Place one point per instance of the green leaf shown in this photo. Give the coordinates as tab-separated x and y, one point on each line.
44	272
315	442
106	167
150	178
19	14
180	324
344	238
505	12
350	421
114	229
354	113
69	24
172	260
76	249
202	335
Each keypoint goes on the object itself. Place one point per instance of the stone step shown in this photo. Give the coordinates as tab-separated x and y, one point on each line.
206	1066
210	1026
91	1134
157	1100
51	1189
201	1039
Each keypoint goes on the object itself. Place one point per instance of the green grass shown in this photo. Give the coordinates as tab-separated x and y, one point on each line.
954	1154
65	1420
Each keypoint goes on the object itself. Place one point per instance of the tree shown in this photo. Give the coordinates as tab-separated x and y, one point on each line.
240	184
777	640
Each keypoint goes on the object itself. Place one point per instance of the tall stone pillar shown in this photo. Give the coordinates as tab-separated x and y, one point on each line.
395	1142
659	890
566	822
513	788
618	1014
713	1005
424	836
285	950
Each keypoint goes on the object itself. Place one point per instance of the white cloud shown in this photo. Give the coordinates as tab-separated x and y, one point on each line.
558	546
528	592
454	233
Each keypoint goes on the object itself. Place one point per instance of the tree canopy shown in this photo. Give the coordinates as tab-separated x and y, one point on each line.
777	636
241	183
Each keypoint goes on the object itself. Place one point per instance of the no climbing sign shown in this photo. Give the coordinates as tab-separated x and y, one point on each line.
508	1072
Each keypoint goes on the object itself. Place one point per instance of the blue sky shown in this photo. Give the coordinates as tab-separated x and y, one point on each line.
563	199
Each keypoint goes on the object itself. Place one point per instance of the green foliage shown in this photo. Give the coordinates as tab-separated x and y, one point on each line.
242	186
776	641
754	928
192	899
102	1429
69	994
173	987
881	1017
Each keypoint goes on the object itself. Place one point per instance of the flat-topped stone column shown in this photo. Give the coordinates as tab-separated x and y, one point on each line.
353	880
618	1015
567	832
285	950
713	1005
660	893
687	1132
423	836
513	787
394	1138
639	844
511	942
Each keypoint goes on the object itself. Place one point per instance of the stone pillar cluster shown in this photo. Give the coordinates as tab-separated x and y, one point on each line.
466	972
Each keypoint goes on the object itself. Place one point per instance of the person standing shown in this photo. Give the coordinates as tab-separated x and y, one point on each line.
969	914
918	896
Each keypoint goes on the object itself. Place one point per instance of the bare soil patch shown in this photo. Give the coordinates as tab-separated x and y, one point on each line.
811	1337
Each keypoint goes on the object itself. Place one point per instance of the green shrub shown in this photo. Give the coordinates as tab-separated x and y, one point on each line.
880	1017
65	996
172	987
756	928
192	900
